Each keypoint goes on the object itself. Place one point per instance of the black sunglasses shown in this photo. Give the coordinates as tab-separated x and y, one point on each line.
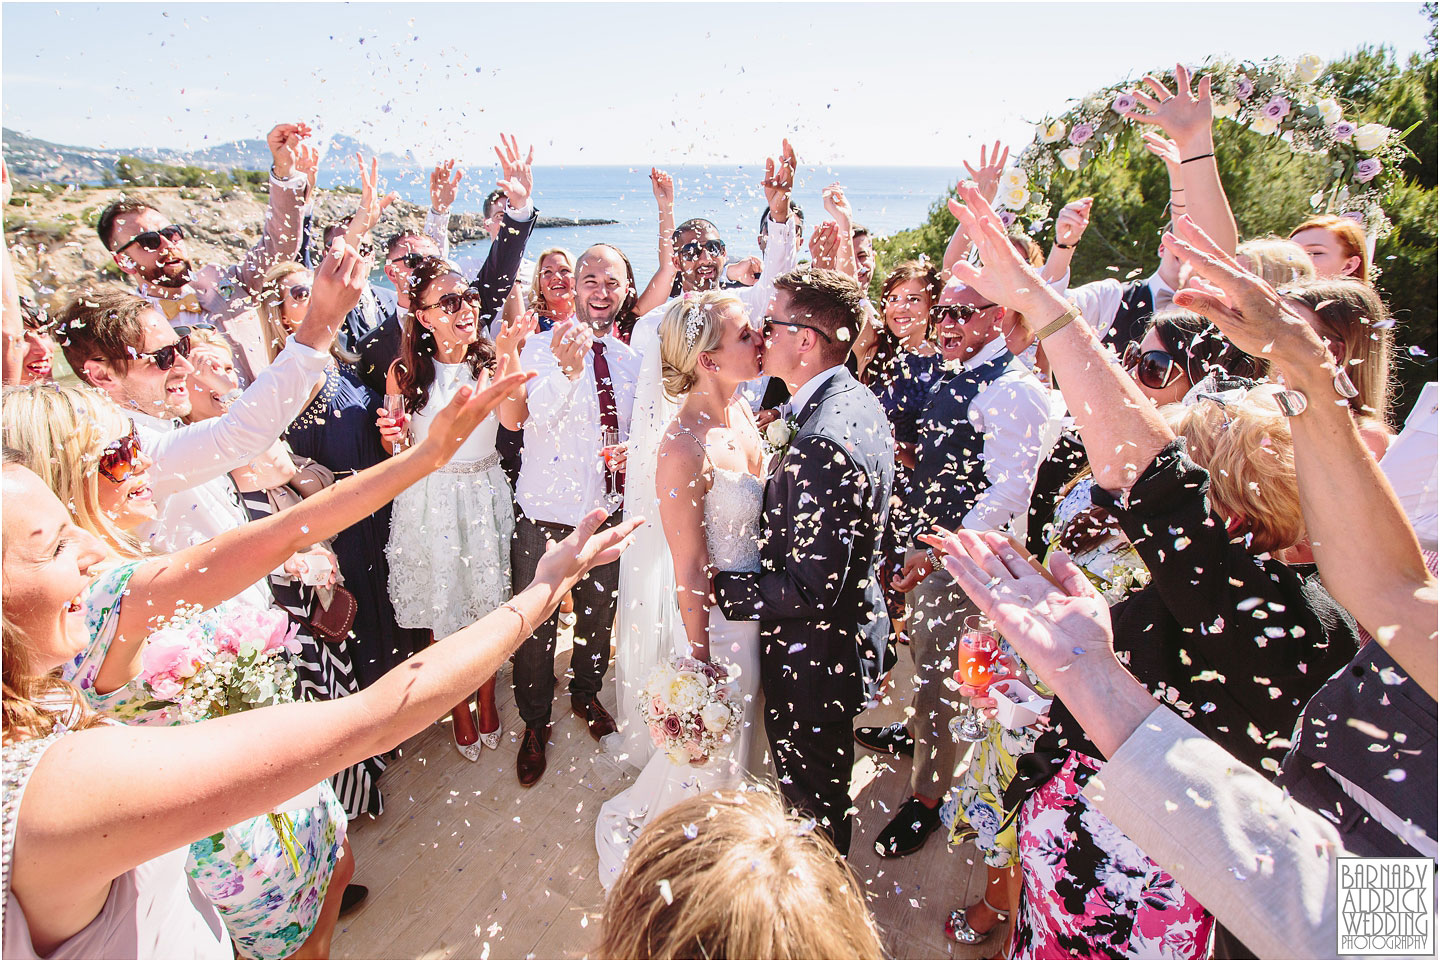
1156	370
118	461
300	291
151	240
770	324
452	302
165	357
411	260
692	250
958	312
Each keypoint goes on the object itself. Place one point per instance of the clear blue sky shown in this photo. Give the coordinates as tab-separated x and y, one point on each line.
625	83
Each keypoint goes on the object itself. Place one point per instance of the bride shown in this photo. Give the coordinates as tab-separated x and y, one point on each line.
709	479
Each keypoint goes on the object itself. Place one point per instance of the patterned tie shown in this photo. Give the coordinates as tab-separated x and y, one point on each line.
609	415
185	302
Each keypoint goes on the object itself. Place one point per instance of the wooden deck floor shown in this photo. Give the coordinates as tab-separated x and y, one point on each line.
465	863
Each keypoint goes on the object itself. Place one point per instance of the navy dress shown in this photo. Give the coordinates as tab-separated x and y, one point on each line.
338	430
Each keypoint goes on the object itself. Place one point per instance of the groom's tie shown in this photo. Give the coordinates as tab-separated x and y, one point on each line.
609	416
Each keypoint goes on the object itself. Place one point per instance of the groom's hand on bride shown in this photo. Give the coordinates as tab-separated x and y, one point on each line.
917	569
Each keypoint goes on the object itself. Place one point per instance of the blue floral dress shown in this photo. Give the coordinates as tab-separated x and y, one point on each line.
245	871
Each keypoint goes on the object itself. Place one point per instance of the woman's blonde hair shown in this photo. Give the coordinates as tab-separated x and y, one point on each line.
732	875
535	297
1354	317
690	328
1349	234
1278	261
1244	442
59	432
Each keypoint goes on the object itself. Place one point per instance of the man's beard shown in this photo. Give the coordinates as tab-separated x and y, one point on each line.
600	324
174	278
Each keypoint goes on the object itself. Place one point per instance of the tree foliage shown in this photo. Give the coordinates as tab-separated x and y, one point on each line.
1269	189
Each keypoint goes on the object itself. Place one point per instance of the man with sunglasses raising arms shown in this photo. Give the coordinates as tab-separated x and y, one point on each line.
120	344
985	427
150	249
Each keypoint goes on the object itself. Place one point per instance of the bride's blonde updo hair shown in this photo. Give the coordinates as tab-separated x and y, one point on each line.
690	327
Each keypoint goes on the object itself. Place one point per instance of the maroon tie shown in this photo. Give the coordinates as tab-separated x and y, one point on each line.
609	415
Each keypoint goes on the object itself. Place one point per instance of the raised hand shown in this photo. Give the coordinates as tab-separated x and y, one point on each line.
339	279
570	343
987	175
367	215
780	181
516	177
307	161
1164	148
663	186
510	339
444	185
283	141
1002	275
1184	115
825	244
1071	222
836	205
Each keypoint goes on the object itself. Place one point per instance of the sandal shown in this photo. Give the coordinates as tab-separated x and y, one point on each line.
957	926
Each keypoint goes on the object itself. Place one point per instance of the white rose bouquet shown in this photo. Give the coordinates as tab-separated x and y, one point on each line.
692	709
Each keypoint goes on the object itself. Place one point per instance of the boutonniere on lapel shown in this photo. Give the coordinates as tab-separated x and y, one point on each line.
778	435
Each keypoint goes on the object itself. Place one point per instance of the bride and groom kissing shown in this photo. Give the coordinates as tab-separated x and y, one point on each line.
776	566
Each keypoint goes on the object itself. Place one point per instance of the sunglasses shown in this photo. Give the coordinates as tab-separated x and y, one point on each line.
691	251
411	260
770	324
151	240
300	292
452	303
120	458
165	357
1156	370
959	312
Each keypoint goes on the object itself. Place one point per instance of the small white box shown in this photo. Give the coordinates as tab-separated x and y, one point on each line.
1017	705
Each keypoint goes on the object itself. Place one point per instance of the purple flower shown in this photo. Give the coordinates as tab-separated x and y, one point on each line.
1080	133
1243	88
1367	170
1356	216
1343	131
1007	217
1277	109
671	725
1123	103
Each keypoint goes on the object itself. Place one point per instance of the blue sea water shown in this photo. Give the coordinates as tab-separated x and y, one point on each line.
884	199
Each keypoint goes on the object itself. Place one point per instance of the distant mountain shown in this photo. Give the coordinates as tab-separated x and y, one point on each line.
30	158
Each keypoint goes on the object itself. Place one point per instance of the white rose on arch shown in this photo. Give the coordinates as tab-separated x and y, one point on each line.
1070	157
1052	132
1013	198
1371	137
1227	110
1014	177
1308	67
1264	126
1330	111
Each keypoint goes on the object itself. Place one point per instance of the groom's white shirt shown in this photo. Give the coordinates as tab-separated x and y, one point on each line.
808	389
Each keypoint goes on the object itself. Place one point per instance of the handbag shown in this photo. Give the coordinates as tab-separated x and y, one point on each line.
332	623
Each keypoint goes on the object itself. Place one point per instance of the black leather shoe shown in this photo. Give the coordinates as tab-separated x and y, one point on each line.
891	740
530	762
350	901
589	708
908	830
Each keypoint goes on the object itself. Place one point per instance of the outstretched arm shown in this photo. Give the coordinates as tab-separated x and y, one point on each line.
280	239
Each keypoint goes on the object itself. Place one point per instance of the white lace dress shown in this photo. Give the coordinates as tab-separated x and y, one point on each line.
732	534
449	549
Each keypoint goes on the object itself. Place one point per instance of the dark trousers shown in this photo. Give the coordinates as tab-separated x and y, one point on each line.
813	761
595	598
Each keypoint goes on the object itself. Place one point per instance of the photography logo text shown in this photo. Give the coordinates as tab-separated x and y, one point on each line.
1386	906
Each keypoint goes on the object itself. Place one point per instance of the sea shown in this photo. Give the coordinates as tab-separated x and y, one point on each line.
884	199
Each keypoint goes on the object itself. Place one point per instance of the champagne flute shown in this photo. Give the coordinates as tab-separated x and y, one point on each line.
979	651
609	442
395	407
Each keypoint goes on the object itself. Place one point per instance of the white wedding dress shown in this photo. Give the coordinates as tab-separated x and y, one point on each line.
732	534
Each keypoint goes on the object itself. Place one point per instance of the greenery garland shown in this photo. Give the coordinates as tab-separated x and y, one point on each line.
1275	98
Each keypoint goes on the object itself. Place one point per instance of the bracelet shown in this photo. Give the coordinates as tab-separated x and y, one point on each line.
524	625
1059	323
1065	247
935	563
1200	157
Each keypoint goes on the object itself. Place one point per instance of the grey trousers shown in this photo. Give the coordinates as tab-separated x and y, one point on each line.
937	613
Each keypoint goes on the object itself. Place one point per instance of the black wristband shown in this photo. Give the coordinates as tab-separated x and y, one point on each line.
1201	157
1065	247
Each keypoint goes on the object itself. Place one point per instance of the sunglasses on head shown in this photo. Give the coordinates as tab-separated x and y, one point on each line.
1156	370
165	357
452	302
411	260
120	458
692	250
768	327
959	312
151	240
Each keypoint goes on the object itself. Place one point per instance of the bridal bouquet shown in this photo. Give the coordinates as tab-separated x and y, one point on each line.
691	708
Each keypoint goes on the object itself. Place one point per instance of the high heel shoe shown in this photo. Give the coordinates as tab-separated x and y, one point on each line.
471	752
491	740
957	926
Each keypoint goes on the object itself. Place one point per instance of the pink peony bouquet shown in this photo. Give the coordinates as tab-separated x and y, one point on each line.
691	708
215	667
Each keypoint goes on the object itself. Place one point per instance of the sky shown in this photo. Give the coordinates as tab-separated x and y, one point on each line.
598	83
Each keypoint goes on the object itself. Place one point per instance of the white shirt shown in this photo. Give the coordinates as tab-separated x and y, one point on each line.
1015	415
1411	465
808	389
779	257
562	477
1099	301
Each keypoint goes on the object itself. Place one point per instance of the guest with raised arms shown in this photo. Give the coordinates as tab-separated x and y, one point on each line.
151	252
450	535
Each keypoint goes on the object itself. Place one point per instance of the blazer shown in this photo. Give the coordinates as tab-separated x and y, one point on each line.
823	623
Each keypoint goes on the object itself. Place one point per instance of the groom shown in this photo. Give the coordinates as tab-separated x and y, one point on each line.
823	623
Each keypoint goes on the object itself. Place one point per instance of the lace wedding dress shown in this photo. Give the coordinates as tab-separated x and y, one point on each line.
732	534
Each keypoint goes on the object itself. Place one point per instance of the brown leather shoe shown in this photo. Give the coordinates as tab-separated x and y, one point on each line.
589	708
530	762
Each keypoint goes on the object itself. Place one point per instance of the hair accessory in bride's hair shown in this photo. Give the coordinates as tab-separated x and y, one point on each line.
694	324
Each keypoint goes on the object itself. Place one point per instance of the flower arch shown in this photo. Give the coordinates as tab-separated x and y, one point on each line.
1275	98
